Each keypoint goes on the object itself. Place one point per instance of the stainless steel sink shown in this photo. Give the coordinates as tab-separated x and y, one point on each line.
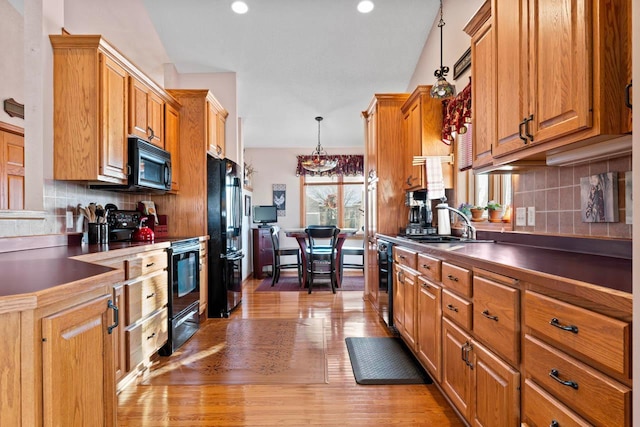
444	239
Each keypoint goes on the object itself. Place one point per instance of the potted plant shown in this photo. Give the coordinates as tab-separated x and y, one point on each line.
495	211
465	208
476	213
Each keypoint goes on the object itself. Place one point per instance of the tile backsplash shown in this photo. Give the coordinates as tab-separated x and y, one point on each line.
555	194
60	197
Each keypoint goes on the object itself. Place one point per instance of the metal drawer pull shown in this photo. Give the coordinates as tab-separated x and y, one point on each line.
424	285
571	328
452	308
428	267
488	316
451	277
116	316
554	423
150	264
151	336
554	374
151	295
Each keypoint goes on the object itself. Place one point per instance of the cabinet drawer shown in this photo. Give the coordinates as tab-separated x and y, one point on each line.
457	279
406	257
429	267
145	296
146	263
591	394
457	309
496	317
146	338
599	338
542	409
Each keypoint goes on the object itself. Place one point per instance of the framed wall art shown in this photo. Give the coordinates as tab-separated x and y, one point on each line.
280	198
599	197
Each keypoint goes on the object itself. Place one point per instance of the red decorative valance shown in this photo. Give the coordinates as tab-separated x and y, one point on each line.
349	165
456	114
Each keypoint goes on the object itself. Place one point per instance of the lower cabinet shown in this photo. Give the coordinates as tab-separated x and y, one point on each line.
77	366
204	281
405	283
485	389
429	325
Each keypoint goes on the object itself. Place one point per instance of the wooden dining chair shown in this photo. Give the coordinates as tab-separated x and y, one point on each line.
278	253
321	258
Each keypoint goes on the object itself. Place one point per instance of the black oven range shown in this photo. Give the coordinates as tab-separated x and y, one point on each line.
184	293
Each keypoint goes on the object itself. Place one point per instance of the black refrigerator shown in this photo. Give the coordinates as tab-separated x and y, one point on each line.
224	224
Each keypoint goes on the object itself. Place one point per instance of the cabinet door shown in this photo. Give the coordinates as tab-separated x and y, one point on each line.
410	295
172	143
456	377
113	141
496	388
119	351
155	116
10	360
138	108
398	299
413	176
429	318
204	284
509	29
11	171
212	133
77	364
560	73
483	100
220	134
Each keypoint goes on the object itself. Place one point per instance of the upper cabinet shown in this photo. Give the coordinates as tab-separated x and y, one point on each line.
99	98
422	117
483	86
172	142
560	68
216	118
11	167
146	113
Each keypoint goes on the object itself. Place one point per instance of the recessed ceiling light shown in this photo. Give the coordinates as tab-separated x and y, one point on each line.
365	6
239	7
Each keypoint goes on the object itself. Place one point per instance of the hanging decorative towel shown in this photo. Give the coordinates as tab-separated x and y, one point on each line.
435	179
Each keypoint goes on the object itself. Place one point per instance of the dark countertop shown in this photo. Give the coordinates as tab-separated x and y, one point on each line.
534	263
35	270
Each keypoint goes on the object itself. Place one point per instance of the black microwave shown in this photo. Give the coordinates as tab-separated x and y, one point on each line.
149	168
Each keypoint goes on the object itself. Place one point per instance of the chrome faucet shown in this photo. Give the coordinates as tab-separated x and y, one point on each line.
469	230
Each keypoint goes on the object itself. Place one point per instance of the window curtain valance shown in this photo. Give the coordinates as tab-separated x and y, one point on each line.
457	114
349	165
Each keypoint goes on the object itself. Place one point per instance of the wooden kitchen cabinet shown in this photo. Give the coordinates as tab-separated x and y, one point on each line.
422	117
262	251
385	211
483	86
90	99
204	278
456	375
188	212
571	81
77	365
406	291
429	327
11	167
172	142
216	118
119	348
146	113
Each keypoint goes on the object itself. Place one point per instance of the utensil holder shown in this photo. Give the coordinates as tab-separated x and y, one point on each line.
98	233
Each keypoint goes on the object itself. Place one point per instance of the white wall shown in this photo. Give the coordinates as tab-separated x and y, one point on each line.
456	14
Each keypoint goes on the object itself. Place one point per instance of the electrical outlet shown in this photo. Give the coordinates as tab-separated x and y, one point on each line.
521	217
69	220
531	216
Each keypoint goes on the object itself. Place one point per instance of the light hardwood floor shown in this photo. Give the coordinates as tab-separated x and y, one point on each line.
341	402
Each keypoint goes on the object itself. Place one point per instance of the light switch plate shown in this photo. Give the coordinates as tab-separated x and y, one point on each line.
69	220
521	217
531	216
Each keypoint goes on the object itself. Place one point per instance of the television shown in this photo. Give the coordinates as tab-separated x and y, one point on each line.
264	215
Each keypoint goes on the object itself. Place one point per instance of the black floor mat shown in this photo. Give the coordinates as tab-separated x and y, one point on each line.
382	360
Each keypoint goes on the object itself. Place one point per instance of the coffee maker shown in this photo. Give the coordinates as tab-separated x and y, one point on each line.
420	214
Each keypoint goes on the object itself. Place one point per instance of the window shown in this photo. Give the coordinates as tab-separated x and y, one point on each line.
496	187
333	200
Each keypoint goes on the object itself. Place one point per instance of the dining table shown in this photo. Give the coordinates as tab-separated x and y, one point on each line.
301	237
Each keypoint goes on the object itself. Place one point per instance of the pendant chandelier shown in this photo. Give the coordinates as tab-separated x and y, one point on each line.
319	161
442	89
